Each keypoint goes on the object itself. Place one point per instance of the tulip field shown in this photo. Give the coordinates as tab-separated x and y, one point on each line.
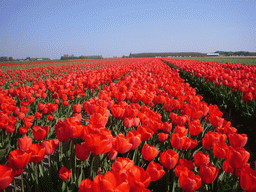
124	125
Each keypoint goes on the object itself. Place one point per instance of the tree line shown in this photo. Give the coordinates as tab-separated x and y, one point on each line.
237	53
168	54
71	57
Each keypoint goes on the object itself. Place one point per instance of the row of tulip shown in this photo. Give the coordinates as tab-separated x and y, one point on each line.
230	85
148	119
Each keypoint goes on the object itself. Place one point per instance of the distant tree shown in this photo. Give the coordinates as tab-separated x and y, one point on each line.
2	59
10	58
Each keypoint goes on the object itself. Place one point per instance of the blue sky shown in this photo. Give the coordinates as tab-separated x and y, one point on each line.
52	28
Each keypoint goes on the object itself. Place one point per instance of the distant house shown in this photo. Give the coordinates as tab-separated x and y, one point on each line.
213	54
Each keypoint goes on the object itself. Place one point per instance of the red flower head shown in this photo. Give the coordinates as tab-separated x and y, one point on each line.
77	108
18	159
121	165
64	173
190	182
220	150
237	140
208	173
98	142
237	157
112	181
38	115
39	132
61	132
37	153
134	138
145	132
194	127
163	137
82	153
248	179
149	152
122	145
49	146
155	171
201	158
6	176
24	143
169	159
138	177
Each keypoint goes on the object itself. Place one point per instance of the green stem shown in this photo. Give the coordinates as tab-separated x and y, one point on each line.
22	183
14	185
167	179
49	160
92	164
234	179
36	175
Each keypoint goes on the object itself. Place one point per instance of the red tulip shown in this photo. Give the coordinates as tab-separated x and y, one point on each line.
64	173
163	137
155	171
237	157
60	131
167	127
169	159
190	182
145	132
37	153
6	176
24	143
248	179
208	173
237	140
38	115
39	132
77	108
18	158
112	181
194	127
187	163
149	152
50	117
121	165
112	154
49	146
138	177
211	137
128	122
82	152
220	150
122	144
201	158
181	169
134	138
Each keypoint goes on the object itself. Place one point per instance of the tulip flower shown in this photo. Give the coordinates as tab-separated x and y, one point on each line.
82	152
37	153
149	152
24	143
122	144
190	182
39	132
237	157
18	158
237	140
155	171
6	176
64	173
208	173
201	158
169	159
138	177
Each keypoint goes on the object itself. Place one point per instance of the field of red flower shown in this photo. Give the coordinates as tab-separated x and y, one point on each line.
120	125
